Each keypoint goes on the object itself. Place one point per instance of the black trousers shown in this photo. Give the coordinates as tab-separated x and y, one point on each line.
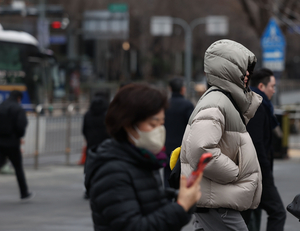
15	157
272	204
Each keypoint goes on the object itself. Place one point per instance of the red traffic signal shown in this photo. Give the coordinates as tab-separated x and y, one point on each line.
56	25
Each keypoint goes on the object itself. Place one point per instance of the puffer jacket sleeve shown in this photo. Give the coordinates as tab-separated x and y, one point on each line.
206	132
115	204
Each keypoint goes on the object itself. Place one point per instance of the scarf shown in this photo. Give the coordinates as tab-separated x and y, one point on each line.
159	160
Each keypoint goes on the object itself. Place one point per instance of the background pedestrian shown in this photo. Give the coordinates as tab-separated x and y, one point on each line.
177	116
94	129
13	124
260	128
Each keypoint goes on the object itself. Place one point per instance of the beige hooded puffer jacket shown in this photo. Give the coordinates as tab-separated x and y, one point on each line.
232	179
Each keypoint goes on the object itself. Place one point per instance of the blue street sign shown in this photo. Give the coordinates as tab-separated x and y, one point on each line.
273	46
58	39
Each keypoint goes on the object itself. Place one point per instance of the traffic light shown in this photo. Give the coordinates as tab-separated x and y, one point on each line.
57	30
60	24
56	25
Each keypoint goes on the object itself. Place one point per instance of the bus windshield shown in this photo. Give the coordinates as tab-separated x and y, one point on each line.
11	66
21	68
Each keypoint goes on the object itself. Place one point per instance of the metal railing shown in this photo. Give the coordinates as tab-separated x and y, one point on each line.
54	132
57	129
293	112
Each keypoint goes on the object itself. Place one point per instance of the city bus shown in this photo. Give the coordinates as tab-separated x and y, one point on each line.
24	67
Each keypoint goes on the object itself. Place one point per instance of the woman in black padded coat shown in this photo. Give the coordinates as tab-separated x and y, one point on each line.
122	176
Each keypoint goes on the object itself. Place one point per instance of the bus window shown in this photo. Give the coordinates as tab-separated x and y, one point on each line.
24	67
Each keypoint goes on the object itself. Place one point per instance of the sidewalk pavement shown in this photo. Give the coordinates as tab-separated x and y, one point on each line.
294	153
57	206
59	203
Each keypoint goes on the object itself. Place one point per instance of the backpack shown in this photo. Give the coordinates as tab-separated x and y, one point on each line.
174	178
294	207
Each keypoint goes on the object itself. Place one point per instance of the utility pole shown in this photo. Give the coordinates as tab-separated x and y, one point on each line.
42	15
162	25
188	29
43	38
43	33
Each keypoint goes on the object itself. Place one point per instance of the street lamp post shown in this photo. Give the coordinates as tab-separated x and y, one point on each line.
41	24
188	30
162	26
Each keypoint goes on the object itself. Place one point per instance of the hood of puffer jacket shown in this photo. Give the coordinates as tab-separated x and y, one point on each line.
225	64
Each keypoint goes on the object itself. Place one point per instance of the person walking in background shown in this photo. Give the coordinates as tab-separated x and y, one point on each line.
260	128
13	122
122	177
94	129
232	179
176	118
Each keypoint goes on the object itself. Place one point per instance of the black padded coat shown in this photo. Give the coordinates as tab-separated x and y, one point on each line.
13	123
126	192
177	117
93	128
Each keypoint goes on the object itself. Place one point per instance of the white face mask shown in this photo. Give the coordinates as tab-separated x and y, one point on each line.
152	141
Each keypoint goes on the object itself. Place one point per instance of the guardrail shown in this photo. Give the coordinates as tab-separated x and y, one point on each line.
57	129
293	112
54	131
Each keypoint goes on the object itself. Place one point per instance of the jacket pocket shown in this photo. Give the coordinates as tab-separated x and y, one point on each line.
239	163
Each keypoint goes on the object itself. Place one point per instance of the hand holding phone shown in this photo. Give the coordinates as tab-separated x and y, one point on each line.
203	161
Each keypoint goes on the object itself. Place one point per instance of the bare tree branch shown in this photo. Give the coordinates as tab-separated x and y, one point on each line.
250	15
262	4
258	19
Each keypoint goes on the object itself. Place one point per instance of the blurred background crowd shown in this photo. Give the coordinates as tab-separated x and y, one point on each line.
59	53
69	56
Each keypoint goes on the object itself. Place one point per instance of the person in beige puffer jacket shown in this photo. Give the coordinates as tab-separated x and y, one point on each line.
232	180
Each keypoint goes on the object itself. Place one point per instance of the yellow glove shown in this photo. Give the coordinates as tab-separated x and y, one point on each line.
174	157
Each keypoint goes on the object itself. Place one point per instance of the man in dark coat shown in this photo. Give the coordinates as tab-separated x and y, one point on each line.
176	119
13	124
260	129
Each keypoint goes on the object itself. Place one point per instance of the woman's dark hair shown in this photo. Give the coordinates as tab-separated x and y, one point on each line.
132	104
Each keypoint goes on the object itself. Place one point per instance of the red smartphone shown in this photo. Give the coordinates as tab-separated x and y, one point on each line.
204	159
